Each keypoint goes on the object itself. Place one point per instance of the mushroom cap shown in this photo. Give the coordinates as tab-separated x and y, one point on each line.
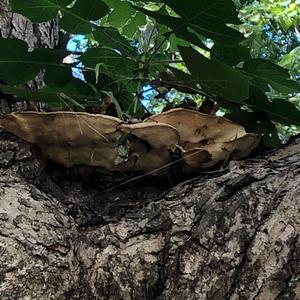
73	139
238	149
158	135
219	151
143	159
194	158
73	128
157	160
82	156
244	145
104	156
195	127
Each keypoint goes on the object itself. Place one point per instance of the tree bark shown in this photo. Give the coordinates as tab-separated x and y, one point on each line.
228	234
45	35
13	25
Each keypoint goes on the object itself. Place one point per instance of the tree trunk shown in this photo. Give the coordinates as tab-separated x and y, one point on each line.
230	234
45	35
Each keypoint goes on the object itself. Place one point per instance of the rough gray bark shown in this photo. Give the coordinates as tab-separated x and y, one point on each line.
44	35
231	234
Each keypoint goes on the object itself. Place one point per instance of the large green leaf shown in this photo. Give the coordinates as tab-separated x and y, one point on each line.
208	18
110	37
216	77
102	82
76	89
39	11
182	82
133	24
121	13
75	18
269	73
110	62
17	65
279	110
258	122
230	54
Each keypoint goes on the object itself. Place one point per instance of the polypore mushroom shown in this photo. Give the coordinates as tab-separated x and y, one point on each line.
219	152
157	160
196	127
70	156
72	128
244	145
156	134
195	158
238	149
73	139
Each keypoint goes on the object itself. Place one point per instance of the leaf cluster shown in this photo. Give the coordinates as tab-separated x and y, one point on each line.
135	42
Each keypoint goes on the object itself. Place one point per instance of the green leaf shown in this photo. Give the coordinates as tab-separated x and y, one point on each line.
216	77
206	12
113	64
110	37
76	89
103	82
230	54
121	13
38	11
208	18
257	122
273	74
133	25
17	65
279	110
75	18
182	82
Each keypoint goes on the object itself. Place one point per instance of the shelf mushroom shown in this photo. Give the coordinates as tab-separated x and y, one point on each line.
179	135
195	127
61	127
218	136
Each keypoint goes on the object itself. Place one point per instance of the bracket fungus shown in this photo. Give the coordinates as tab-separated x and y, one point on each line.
195	127
59	128
158	135
193	138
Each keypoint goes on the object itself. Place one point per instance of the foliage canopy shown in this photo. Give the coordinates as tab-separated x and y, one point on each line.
135	42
